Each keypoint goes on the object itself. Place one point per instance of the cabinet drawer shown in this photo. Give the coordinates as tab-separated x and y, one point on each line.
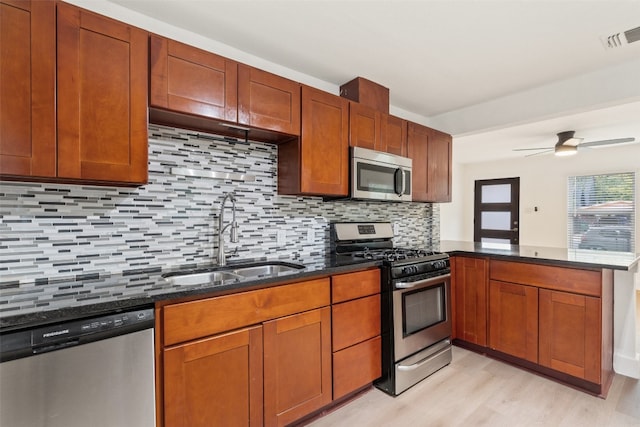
545	276
356	366
355	321
195	319
349	286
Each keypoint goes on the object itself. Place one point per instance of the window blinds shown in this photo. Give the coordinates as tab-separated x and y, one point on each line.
601	210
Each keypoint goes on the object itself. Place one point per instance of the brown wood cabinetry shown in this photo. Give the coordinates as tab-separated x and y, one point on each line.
27	88
318	163
513	319
394	135
559	318
297	366
357	359
215	381
89	70
375	130
250	358
364	127
102	98
268	101
430	151
470	281
571	334
190	80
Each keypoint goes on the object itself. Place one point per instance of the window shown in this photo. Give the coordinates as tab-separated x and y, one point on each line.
601	212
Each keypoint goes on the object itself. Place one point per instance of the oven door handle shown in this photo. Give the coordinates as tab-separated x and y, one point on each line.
409	285
427	359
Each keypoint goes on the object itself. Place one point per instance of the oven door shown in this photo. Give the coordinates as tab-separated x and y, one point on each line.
380	176
421	314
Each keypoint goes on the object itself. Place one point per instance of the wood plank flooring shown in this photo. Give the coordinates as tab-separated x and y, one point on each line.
475	390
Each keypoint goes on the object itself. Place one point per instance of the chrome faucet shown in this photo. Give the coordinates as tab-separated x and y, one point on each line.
221	227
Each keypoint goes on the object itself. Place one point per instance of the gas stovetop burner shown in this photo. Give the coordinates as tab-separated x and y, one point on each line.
393	254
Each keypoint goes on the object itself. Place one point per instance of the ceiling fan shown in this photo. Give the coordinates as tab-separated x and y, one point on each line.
567	144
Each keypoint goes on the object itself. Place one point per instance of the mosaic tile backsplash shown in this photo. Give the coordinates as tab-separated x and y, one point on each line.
52	231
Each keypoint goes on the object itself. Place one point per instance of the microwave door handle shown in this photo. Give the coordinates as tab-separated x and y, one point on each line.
398	178
404	182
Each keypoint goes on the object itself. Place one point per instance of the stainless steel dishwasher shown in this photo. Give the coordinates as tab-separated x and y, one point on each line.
95	372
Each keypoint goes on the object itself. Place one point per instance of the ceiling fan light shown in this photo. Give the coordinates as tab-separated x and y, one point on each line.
566	150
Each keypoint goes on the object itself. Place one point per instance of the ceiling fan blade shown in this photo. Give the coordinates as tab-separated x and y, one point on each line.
530	149
550	150
606	142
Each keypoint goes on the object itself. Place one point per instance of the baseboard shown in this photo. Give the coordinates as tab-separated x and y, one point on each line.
627	366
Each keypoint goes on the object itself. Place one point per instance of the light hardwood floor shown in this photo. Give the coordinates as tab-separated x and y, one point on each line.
475	390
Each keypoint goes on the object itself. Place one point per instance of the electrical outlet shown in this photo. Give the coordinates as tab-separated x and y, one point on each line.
396	229
311	236
281	237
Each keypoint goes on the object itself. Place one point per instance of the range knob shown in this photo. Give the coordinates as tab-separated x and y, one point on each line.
410	269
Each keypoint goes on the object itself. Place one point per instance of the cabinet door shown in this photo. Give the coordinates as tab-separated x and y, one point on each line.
470	287
570	334
102	98
215	381
355	321
356	366
513	319
439	162
189	80
268	101
297	366
431	154
394	135
27	88
325	144
364	127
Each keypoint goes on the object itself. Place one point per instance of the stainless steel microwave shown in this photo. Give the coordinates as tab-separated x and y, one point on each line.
380	176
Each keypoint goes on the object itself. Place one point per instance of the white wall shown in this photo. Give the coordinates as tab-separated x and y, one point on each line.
543	183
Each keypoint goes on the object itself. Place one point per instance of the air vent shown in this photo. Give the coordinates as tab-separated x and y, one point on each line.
618	40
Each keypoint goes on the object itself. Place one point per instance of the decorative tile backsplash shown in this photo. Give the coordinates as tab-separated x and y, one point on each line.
51	231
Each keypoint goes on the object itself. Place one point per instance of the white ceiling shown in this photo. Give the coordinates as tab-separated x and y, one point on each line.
445	59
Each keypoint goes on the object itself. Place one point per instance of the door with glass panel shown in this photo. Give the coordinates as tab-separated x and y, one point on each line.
496	211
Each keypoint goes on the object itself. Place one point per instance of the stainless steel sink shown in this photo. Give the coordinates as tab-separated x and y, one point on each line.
232	273
267	270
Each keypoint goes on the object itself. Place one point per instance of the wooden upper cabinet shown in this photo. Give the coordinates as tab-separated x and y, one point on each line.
268	101
317	163
193	81
102	98
364	127
27	88
430	151
394	135
439	165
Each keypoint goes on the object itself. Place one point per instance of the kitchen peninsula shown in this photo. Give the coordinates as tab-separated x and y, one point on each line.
550	310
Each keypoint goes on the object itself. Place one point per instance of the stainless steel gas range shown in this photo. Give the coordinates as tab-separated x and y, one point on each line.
416	302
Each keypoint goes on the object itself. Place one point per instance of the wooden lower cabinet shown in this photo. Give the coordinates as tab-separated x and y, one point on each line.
570	334
356	342
297	366
470	277
513	319
215	381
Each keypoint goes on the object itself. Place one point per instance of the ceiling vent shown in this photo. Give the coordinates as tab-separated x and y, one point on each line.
618	40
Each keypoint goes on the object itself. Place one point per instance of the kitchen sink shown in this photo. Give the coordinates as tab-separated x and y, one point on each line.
201	277
266	270
232	273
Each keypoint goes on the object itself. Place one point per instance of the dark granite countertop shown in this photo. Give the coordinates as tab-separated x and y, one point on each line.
577	258
36	304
